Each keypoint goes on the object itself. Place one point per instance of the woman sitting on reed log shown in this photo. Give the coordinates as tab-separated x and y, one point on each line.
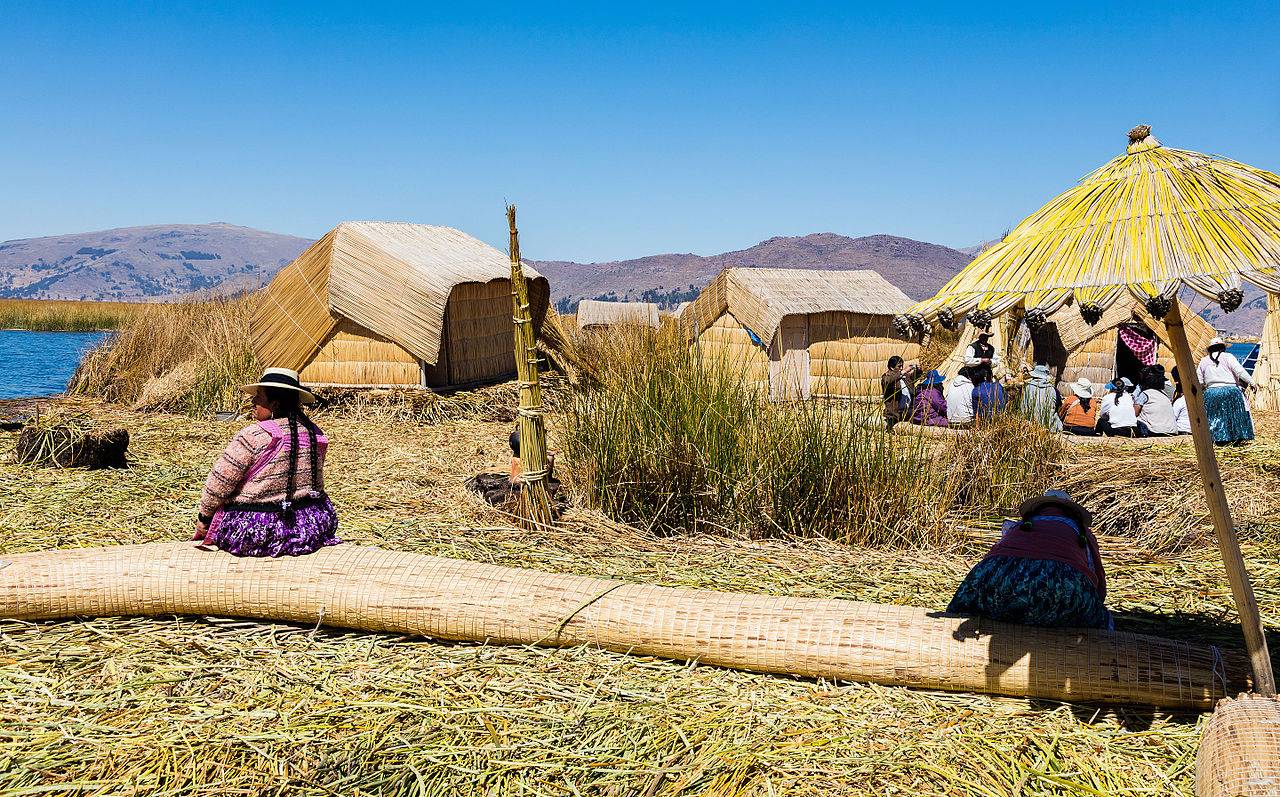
1045	570
265	495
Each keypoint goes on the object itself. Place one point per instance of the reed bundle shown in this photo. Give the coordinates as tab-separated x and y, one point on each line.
534	502
351	586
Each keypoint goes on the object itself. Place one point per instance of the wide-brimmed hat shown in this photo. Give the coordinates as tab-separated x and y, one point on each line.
1082	387
1040	370
1060	498
933	378
1215	342
1126	382
283	378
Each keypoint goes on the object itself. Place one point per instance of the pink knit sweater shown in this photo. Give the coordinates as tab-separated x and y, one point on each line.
254	469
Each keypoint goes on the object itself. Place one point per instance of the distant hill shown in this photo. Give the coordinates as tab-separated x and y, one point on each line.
144	263
918	268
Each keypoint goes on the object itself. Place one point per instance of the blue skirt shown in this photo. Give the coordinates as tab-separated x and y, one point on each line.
1229	419
1039	592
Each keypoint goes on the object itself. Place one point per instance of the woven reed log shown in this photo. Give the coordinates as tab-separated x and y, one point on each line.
1240	753
352	586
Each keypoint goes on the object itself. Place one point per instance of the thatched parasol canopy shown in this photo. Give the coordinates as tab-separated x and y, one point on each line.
1149	222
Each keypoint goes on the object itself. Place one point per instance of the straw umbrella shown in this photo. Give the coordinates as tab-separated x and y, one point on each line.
535	505
1149	223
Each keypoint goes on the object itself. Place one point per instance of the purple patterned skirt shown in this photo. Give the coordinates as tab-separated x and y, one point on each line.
267	530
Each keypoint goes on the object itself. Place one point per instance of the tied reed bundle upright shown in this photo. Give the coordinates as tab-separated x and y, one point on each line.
535	505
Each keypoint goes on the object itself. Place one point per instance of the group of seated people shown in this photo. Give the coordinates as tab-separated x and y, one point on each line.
1153	407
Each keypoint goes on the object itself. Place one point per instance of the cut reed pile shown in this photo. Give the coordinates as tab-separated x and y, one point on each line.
220	707
185	357
46	315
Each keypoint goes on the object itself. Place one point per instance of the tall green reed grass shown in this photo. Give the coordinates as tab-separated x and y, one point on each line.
661	436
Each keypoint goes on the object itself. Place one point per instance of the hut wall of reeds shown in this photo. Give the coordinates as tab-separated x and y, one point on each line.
1267	371
804	333
393	304
597	314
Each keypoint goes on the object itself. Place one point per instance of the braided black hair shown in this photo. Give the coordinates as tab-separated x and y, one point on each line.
287	403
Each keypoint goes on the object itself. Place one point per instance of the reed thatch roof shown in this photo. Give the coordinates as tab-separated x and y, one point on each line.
1151	221
759	298
389	277
595	313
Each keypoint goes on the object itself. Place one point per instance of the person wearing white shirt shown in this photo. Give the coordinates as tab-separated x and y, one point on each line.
1117	415
960	399
981	352
1223	378
1154	407
1181	418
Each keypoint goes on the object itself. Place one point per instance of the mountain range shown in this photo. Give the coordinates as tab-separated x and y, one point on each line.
153	263
166	262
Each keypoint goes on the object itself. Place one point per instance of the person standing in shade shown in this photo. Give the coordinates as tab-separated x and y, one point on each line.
981	353
1223	378
1040	399
897	387
960	400
1079	411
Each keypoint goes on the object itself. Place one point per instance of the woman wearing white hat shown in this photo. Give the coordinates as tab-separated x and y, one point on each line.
1079	411
265	494
1223	378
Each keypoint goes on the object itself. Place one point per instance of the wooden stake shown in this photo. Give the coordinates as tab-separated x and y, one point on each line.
535	504
1264	681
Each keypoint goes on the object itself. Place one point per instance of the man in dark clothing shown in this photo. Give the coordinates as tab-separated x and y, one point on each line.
897	388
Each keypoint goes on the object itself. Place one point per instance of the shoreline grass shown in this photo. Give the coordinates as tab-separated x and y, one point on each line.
56	315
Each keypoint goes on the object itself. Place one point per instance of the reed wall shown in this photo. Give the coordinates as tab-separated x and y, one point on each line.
356	356
1267	372
849	351
726	345
478	332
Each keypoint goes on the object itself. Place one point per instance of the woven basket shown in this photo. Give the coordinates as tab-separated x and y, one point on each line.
1240	753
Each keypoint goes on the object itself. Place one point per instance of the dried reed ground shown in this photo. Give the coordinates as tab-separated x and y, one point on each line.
212	706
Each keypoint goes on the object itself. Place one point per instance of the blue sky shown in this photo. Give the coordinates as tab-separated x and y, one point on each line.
619	129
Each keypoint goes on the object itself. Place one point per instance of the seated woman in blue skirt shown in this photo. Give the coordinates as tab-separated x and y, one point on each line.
1045	570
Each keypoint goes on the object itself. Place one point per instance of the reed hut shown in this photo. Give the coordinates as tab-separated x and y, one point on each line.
382	304
1073	349
801	333
596	314
1267	372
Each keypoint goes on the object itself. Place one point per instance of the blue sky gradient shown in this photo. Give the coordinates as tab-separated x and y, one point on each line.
619	129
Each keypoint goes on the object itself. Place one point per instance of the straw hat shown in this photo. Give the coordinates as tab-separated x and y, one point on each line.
1059	498
283	378
1215	342
1082	387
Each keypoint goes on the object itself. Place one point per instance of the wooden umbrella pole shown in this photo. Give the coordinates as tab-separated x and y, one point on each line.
535	504
1264	681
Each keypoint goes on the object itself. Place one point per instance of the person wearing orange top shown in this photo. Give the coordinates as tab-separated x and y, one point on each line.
1079	411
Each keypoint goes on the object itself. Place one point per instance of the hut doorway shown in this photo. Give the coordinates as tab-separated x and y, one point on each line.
789	359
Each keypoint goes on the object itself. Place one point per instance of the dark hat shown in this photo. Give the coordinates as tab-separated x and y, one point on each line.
1059	498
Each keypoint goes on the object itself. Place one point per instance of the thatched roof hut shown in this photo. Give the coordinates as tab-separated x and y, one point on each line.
394	304
801	332
1073	349
596	314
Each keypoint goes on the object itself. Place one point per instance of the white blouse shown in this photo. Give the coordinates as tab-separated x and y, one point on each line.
1227	371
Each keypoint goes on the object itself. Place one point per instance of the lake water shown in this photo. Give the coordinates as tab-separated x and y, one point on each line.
41	363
